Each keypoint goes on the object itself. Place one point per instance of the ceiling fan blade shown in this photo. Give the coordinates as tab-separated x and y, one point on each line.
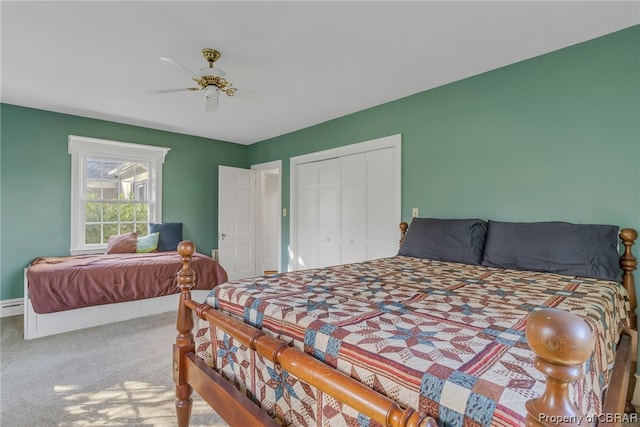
251	95
188	89
180	67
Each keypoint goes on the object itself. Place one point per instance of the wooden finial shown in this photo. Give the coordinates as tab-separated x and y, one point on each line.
186	276
403	231
562	342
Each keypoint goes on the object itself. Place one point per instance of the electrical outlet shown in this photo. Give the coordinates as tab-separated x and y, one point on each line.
414	213
284	212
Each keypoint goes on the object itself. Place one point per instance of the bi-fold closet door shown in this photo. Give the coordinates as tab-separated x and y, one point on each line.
346	209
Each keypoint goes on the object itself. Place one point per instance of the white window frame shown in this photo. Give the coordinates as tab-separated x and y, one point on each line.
81	147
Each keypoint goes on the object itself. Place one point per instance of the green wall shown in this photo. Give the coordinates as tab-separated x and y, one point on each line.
36	184
556	137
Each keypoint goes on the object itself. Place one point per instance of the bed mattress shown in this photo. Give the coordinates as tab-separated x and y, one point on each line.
65	283
444	338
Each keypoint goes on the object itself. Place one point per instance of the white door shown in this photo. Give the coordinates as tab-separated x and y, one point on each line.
268	259
382	210
306	208
236	221
328	213
353	211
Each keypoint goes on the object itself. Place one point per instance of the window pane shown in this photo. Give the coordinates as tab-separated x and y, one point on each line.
114	191
93	212
141	192
110	212
110	230
126	212
92	233
93	191
142	229
142	212
109	190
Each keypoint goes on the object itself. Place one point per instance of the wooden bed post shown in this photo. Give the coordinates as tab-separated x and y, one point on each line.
184	339
403	231
562	342
629	263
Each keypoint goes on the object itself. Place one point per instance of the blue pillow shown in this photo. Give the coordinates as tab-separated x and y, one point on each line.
148	243
587	250
170	235
452	240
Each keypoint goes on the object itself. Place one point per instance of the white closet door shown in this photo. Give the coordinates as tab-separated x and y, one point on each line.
346	204
307	217
353	214
328	212
382	215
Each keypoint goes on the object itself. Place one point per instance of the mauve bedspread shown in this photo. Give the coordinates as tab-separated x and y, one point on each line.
445	338
65	283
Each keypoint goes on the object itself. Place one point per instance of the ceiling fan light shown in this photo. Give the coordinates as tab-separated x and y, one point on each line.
211	98
211	92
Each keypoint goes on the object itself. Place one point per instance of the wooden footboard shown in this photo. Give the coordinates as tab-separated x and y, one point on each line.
561	341
232	405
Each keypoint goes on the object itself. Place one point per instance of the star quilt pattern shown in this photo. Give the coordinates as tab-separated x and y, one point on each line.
444	338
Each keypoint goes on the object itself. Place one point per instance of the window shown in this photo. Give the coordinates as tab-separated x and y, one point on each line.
116	188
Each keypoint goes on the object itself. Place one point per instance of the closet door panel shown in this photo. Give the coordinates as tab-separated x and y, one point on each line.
307	217
328	253
352	253
353	214
382	227
328	212
307	256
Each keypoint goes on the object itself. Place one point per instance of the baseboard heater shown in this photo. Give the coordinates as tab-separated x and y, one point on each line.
11	307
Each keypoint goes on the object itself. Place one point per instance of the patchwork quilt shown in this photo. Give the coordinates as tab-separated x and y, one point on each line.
446	339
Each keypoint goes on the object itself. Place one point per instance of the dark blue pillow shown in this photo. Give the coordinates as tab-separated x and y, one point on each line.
453	240
585	250
170	235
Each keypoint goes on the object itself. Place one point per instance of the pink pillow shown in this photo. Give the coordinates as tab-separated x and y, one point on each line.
122	243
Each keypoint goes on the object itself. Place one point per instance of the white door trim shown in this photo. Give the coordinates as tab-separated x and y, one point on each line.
391	141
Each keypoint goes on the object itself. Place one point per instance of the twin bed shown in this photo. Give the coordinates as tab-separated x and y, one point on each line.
62	294
473	323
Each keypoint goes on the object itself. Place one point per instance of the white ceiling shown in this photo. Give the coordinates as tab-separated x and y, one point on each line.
317	60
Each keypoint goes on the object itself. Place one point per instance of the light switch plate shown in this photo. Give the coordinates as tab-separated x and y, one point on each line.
284	212
414	212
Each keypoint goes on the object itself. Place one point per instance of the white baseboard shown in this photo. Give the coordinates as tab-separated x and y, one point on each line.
11	307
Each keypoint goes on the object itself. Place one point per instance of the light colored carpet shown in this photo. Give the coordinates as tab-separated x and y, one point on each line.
112	375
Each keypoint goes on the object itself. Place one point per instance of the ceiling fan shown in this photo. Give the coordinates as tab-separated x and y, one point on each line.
211	81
